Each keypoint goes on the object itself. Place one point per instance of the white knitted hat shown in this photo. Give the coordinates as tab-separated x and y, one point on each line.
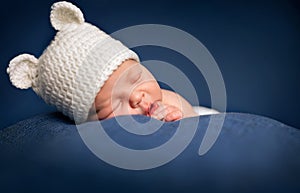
74	67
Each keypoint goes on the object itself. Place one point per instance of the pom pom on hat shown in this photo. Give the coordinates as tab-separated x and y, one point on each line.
74	67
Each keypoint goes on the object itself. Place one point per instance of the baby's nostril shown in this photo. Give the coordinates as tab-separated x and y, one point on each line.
135	103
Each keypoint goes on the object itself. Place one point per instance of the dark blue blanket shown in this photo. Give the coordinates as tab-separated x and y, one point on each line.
251	154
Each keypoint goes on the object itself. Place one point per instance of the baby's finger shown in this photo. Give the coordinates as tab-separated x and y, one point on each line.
159	113
167	113
174	116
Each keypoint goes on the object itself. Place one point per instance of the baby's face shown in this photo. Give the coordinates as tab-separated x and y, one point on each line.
131	89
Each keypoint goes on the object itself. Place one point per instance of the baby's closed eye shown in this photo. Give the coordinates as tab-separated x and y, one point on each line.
134	74
135	77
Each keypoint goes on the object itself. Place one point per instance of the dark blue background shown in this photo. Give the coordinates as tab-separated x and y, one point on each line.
255	43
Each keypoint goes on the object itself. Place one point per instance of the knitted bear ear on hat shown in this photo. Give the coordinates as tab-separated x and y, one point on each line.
64	13
22	71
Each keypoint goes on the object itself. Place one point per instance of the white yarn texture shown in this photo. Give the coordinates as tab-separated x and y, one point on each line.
74	67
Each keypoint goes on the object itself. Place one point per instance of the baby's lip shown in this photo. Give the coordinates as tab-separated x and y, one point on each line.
153	106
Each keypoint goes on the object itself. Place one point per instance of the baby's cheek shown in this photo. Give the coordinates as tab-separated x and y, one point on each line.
126	110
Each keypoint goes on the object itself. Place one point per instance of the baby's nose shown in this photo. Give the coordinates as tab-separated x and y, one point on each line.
136	100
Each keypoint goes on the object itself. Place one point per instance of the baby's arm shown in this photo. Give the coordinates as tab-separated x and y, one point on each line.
173	107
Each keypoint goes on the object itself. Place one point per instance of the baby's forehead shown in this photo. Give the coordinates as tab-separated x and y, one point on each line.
122	71
127	67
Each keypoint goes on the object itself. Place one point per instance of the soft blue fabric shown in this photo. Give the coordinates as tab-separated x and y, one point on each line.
252	154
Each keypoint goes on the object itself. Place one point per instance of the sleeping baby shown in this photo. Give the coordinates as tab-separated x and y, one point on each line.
88	75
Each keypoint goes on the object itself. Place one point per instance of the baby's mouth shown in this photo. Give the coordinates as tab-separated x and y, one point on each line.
153	106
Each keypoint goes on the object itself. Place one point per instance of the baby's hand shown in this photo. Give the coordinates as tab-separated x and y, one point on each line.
165	112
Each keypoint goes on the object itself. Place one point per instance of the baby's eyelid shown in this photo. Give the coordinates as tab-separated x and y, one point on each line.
136	77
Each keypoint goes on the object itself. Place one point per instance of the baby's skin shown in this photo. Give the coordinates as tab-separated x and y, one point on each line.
132	89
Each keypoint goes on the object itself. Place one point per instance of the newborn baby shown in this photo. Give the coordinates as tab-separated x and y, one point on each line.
132	89
88	75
